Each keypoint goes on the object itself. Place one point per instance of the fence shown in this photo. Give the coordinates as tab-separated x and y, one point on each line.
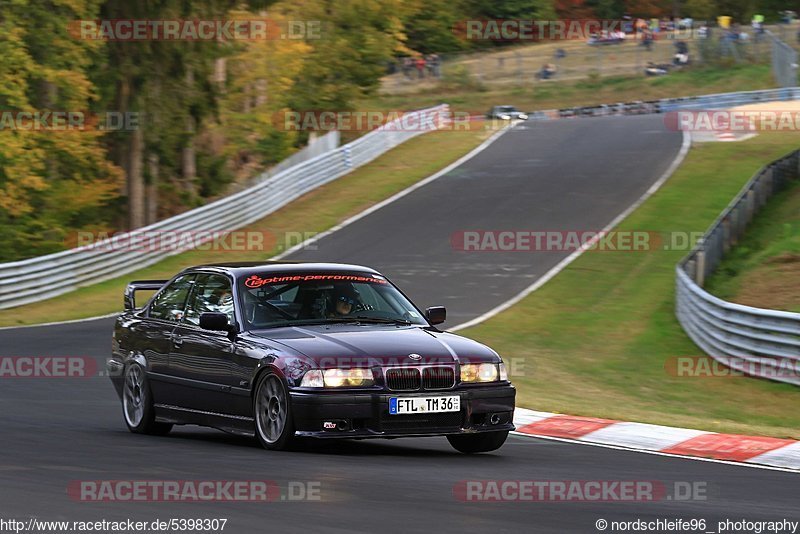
21	282
759	342
784	62
520	65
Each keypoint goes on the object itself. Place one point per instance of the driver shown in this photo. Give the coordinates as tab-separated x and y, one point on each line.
345	301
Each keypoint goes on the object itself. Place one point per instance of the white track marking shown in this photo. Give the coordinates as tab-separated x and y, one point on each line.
687	142
480	148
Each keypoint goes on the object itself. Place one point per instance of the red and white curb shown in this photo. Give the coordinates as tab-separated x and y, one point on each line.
685	442
721	136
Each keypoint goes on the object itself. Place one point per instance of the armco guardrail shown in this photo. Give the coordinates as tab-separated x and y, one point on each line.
21	282
759	342
666	105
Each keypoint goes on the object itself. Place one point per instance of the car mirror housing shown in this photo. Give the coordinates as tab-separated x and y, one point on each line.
215	321
436	314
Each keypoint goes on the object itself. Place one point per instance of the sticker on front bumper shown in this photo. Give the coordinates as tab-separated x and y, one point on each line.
409	405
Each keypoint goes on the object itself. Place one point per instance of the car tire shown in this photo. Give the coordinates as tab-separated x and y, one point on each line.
474	443
272	410
137	403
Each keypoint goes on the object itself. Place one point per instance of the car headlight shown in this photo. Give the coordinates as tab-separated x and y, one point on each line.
504	116
523	116
337	378
483	372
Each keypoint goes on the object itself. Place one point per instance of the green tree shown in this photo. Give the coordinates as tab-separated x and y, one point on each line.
431	24
51	180
700	9
358	39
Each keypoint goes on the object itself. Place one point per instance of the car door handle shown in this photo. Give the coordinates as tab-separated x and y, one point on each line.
177	341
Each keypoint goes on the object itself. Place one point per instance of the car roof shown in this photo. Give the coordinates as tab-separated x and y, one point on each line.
241	268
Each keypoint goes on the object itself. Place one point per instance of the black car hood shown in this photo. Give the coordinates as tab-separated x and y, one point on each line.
343	345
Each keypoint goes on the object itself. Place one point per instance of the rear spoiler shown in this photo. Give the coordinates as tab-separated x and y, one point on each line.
133	287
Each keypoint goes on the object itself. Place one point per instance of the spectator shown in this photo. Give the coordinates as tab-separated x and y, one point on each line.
407	66
435	62
702	31
547	71
429	64
647	39
420	67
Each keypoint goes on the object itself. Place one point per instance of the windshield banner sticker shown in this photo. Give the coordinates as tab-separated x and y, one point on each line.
255	281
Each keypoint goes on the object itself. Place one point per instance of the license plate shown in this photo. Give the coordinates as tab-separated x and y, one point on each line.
407	405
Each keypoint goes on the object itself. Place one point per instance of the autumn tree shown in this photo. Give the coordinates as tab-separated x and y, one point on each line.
53	179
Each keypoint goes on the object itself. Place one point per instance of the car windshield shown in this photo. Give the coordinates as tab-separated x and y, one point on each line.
271	300
507	109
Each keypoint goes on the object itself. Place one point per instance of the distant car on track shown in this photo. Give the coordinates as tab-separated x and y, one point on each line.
322	350
506	113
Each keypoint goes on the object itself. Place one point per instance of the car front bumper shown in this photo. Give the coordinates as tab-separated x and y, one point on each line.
366	415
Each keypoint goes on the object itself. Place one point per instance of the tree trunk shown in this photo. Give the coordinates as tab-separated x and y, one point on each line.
220	73
261	92
151	193
136	214
188	156
246	100
189	160
121	150
49	97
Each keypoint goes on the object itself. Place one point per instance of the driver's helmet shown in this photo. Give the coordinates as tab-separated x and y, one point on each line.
345	293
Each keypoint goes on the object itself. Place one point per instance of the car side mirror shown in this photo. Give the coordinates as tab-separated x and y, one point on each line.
215	321
436	314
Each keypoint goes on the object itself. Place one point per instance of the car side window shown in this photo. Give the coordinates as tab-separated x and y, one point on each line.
171	302
212	293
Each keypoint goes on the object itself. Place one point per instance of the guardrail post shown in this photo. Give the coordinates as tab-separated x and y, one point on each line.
691	268
700	272
750	200
797	154
726	234
734	225
348	158
766	186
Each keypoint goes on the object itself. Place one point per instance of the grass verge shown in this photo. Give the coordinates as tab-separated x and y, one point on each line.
557	94
597	339
763	269
314	212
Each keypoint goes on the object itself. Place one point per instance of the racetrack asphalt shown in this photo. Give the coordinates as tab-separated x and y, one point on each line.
569	175
573	174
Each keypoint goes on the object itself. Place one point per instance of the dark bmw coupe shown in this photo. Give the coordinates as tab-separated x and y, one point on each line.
280	350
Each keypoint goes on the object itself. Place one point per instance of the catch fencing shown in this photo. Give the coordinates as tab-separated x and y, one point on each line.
784	62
